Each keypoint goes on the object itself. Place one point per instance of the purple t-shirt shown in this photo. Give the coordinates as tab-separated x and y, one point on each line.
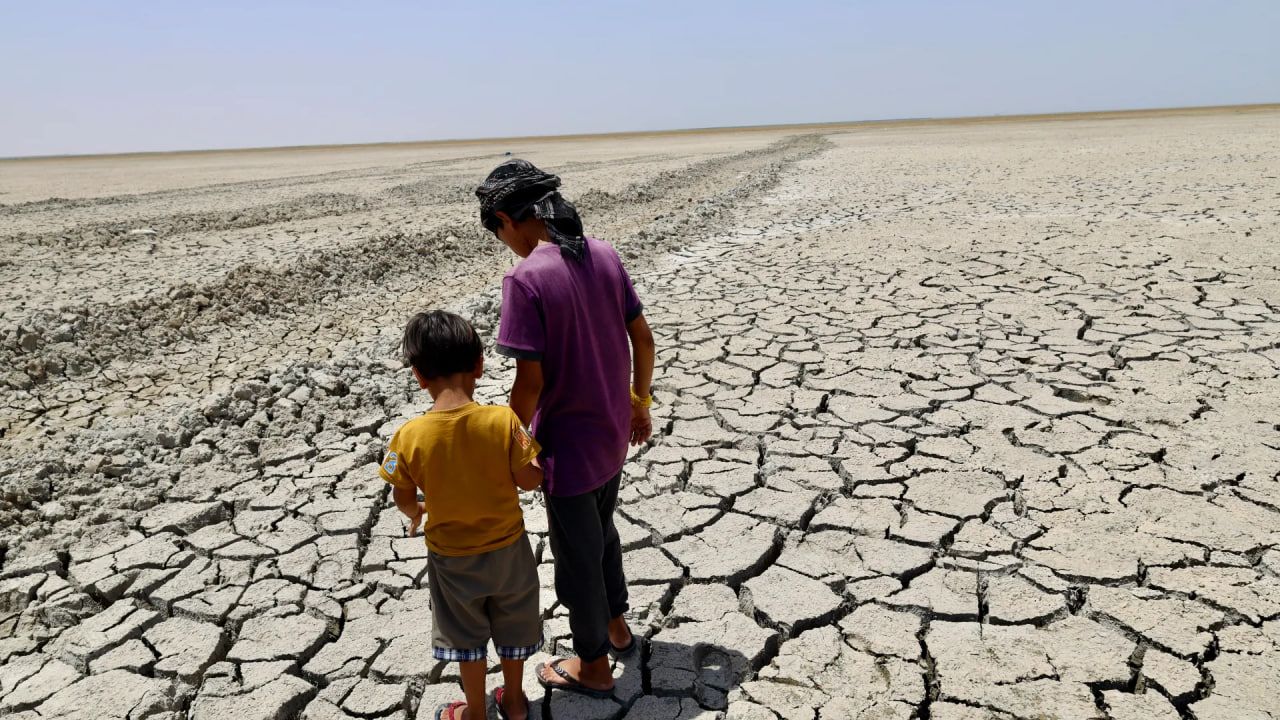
572	316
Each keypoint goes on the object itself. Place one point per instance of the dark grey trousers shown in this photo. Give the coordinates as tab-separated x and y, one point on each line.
588	562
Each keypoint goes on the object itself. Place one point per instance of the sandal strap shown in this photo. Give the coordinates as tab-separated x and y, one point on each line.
555	668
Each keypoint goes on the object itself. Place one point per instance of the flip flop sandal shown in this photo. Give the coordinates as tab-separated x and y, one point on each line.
498	692
449	711
571	683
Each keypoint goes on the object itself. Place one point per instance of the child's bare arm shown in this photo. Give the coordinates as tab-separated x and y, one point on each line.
642	359
642	354
529	477
407	501
526	389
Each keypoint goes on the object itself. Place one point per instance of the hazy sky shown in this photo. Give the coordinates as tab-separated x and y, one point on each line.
87	77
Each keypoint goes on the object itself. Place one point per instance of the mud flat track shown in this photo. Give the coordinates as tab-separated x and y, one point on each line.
958	421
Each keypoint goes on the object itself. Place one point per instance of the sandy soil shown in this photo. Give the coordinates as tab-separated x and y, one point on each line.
960	420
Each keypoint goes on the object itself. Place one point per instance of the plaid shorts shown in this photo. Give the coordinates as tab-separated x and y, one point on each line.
478	598
504	651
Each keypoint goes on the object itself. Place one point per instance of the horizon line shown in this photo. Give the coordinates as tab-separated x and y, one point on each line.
959	119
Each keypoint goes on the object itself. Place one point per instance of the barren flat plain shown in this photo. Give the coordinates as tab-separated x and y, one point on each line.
956	421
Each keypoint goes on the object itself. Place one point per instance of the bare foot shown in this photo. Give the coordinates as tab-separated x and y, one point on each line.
586	676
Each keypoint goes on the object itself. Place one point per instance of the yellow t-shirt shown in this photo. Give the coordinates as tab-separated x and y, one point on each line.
462	460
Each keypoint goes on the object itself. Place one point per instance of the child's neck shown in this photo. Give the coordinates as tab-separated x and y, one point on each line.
451	398
451	391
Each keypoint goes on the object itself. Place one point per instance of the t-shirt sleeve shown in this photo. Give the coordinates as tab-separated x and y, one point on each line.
393	468
631	305
523	447
521	334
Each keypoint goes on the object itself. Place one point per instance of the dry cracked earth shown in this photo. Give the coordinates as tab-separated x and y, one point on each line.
956	422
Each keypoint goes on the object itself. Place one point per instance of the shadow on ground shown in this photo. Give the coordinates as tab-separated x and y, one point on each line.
660	681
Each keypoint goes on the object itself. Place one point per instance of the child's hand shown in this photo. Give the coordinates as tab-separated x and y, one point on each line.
406	500
419	510
641	425
528	477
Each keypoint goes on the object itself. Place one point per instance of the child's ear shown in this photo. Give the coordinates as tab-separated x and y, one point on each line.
480	367
422	383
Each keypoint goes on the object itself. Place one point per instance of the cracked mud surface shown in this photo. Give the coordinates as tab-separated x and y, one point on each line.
955	423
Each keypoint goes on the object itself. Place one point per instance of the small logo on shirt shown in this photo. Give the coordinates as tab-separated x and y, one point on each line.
522	437
389	465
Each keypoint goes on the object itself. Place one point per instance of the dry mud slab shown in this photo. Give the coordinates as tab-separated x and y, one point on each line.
956	422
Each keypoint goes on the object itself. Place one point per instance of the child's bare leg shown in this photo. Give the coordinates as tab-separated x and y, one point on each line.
472	673
513	700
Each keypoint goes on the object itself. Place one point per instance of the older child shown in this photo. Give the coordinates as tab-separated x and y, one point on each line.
467	460
569	312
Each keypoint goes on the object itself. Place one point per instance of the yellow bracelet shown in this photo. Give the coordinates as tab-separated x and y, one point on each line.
640	402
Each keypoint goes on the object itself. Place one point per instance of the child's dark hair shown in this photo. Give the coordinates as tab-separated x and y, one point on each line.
439	343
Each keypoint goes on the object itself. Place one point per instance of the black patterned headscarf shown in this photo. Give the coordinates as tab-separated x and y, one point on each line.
519	189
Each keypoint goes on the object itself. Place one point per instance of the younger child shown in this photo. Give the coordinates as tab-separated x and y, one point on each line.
467	460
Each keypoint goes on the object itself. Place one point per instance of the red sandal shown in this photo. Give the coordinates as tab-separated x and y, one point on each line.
498	694
449	711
